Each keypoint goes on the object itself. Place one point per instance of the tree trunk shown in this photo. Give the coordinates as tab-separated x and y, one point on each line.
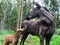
19	7
20	13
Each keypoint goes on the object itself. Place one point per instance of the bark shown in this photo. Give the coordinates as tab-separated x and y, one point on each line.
20	13
19	3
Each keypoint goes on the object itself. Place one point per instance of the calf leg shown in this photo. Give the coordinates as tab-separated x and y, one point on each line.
6	43
15	43
23	38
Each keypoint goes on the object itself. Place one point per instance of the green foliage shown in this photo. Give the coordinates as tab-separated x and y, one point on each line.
11	14
3	33
1	10
6	32
55	40
57	31
53	6
12	19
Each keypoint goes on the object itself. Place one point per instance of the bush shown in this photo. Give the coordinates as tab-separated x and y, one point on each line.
57	31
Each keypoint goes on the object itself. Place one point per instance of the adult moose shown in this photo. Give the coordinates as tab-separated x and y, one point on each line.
46	18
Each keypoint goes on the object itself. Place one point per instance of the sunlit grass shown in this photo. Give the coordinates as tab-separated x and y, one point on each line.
32	40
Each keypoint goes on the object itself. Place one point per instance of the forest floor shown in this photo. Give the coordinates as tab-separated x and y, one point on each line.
31	40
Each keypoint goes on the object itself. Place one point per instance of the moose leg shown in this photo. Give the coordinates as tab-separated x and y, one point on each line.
41	39
41	33
49	35
23	38
48	40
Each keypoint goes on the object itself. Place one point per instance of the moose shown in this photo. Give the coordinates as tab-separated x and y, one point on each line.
13	38
33	27
43	28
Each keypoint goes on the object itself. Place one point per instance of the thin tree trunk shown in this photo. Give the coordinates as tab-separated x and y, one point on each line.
4	25
19	7
20	13
21	16
5	14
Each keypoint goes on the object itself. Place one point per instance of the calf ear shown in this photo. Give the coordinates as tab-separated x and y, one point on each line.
37	4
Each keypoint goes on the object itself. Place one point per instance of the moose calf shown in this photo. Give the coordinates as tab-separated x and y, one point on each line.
12	38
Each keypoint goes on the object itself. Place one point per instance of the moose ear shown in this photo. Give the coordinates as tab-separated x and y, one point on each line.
37	4
46	9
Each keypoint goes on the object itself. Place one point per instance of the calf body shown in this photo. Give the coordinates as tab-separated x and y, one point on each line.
12	38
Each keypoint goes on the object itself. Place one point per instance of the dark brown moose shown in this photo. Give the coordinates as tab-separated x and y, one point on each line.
44	28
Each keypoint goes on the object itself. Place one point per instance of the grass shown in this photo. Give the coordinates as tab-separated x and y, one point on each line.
32	40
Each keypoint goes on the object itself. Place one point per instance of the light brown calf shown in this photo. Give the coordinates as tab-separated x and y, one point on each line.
13	38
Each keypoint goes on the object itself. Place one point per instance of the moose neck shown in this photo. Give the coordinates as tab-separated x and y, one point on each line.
46	14
17	35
